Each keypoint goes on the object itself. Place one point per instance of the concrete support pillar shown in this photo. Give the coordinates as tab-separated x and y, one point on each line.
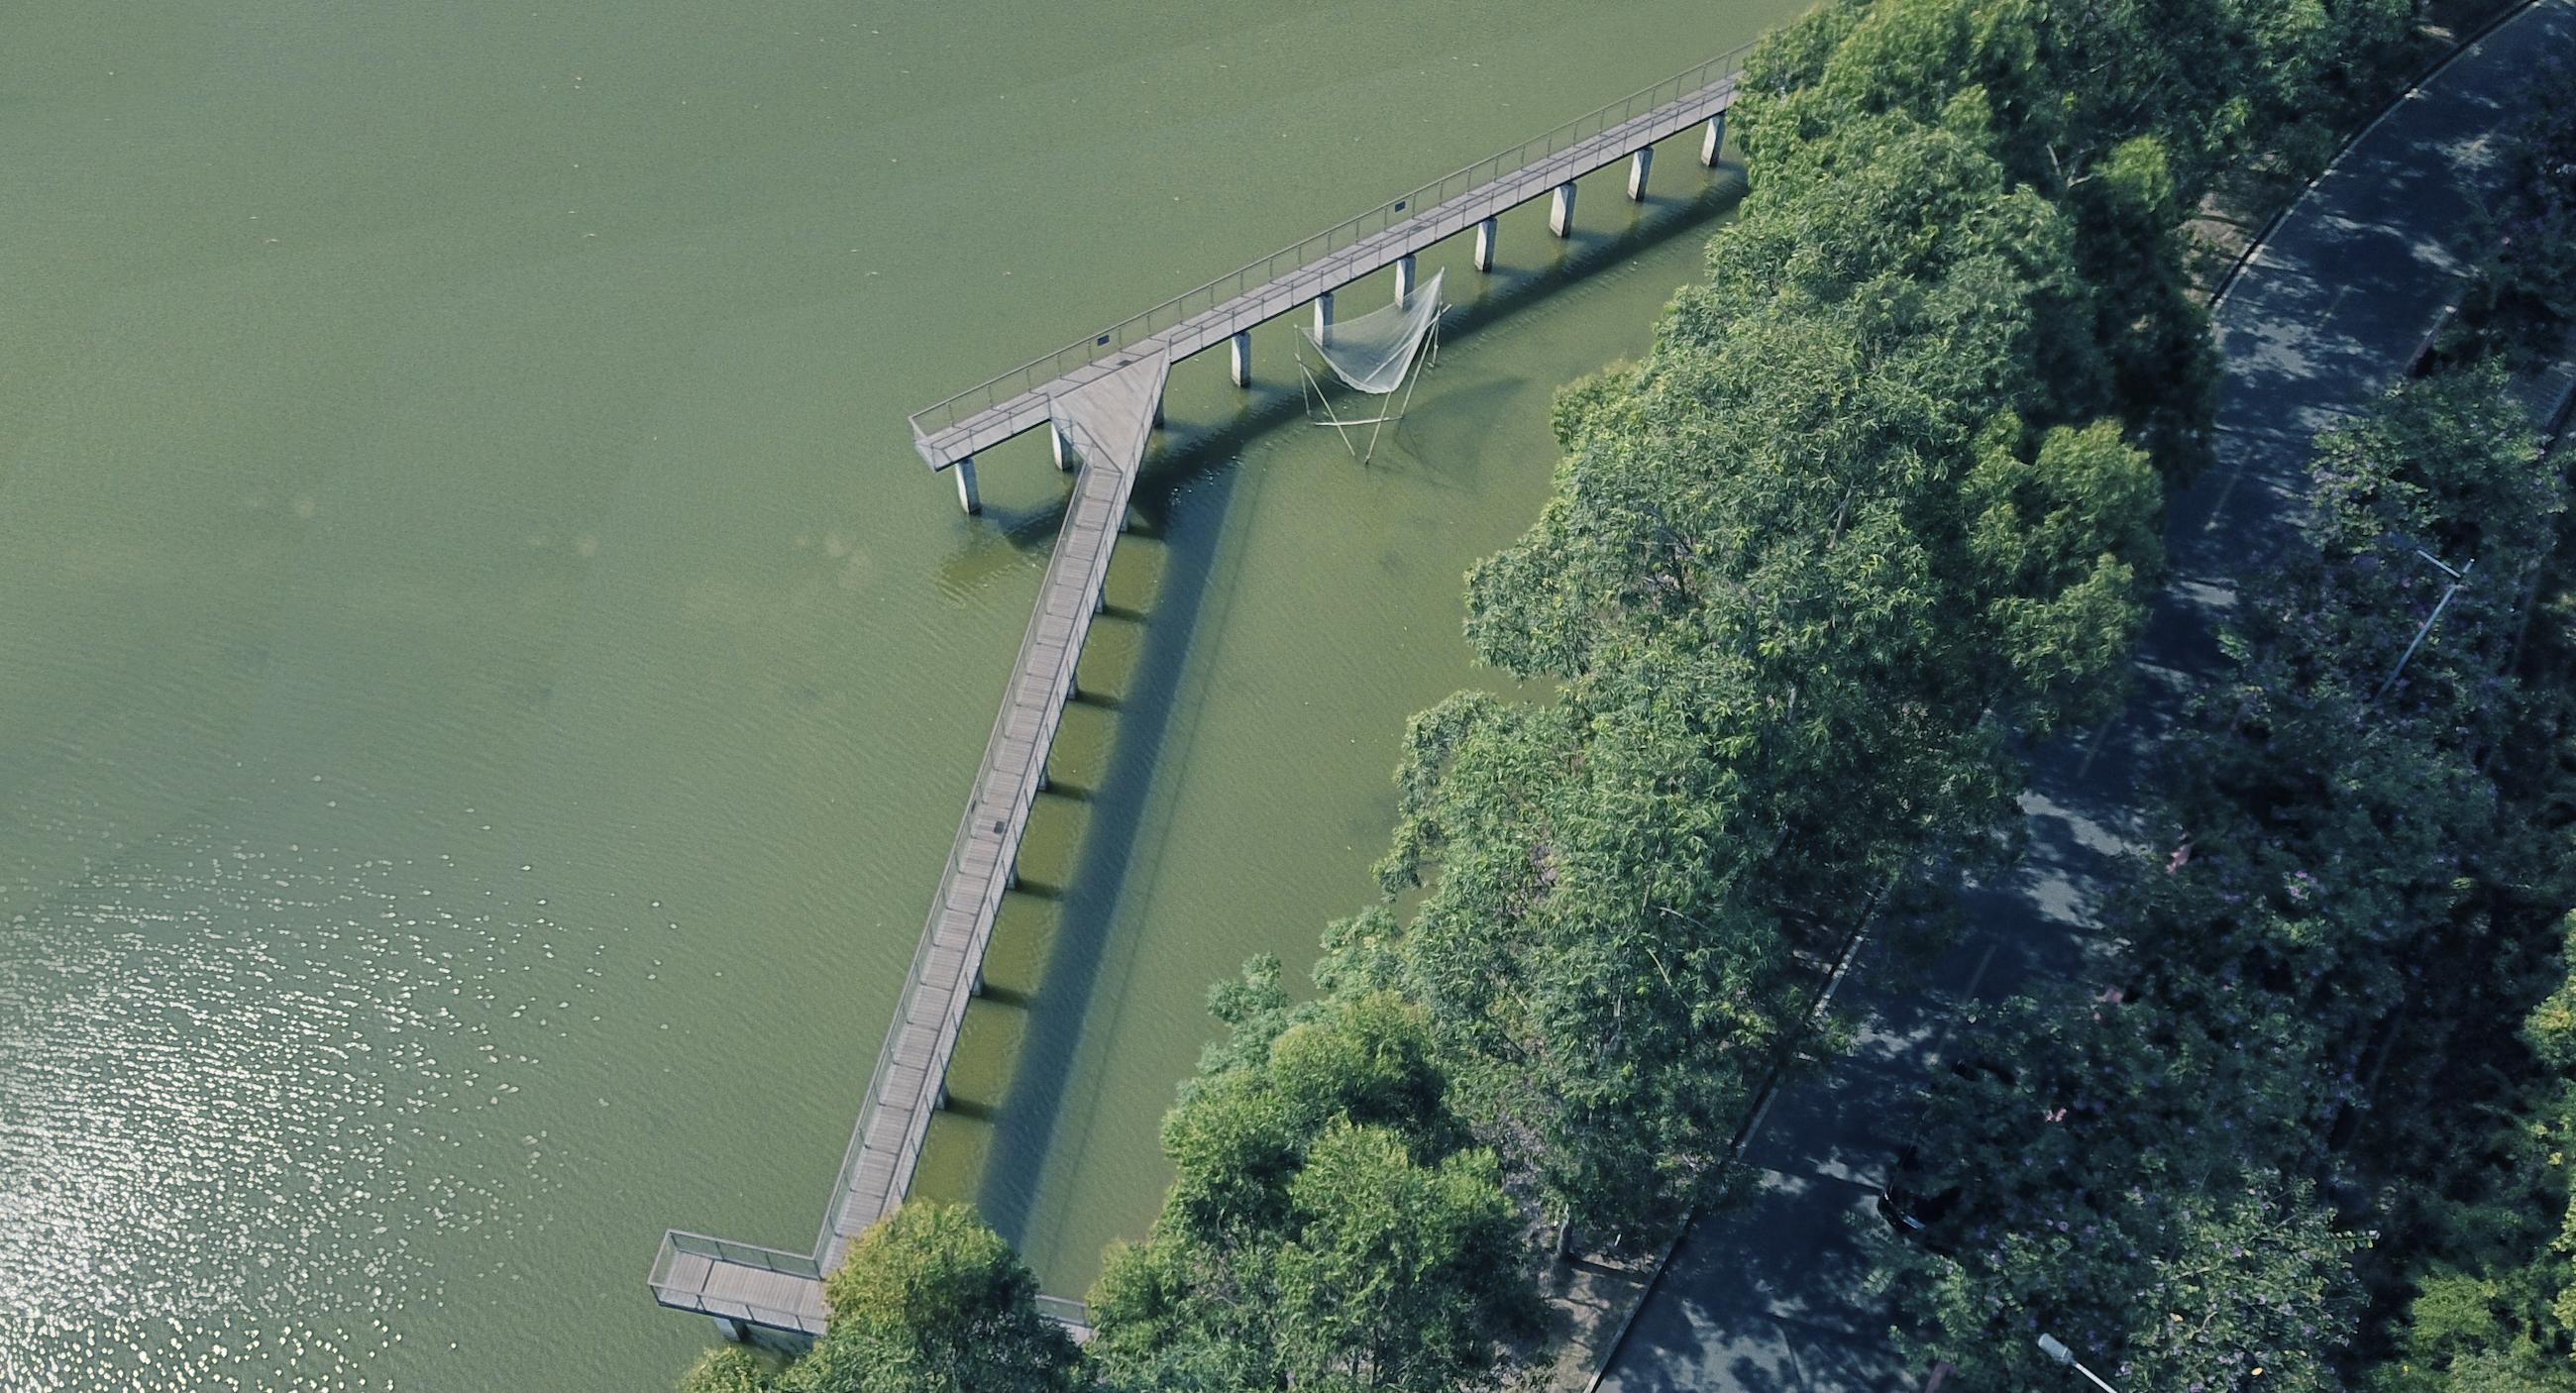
1485	234
1239	358
732	1331
976	987
1403	276
1638	164
1072	688
1158	411
1712	138
1560	210
1100	597
1064	451
967	497
1323	313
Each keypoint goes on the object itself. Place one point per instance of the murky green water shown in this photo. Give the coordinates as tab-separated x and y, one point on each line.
485	686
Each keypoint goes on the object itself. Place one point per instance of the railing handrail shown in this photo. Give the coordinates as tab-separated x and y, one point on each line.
1059	672
1126	332
679	1241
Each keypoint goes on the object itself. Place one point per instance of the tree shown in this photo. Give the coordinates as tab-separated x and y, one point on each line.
1388	1283
929	1300
1796	587
1329	1225
728	1369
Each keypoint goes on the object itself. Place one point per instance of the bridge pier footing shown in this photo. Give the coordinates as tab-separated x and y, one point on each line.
1239	358
1485	233
1711	138
1064	452
1639	163
1403	276
732	1331
967	497
1323	313
1560	210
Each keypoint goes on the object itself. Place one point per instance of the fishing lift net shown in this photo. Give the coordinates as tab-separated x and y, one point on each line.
1379	353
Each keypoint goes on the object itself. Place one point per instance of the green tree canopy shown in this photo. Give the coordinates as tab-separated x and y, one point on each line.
1330	1227
929	1300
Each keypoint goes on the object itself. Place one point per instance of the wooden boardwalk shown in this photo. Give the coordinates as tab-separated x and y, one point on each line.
1187	324
1104	395
1108	420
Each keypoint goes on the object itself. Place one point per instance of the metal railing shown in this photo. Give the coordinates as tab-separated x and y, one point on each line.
1127	332
677	1243
1073	1315
1095	565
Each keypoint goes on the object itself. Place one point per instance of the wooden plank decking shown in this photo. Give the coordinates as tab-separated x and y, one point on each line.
1109	420
1017	401
1104	395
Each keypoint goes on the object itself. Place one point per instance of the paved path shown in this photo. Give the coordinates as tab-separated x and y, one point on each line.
2329	313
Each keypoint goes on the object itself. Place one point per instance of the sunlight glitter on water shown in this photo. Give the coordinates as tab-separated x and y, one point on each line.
242	1078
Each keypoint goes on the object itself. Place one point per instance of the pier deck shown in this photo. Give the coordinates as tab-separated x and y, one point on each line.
1187	324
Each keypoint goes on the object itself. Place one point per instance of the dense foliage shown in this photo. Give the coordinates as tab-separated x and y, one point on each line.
928	1300
2526	297
1872	512
1334	1226
2136	1171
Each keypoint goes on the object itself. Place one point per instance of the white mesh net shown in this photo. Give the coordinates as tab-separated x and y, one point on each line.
1374	351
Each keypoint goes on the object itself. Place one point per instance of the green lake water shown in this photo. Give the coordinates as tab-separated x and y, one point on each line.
486	687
